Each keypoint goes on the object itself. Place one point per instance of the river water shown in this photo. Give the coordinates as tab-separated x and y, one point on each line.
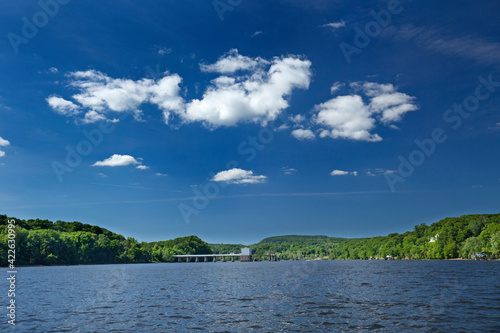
285	296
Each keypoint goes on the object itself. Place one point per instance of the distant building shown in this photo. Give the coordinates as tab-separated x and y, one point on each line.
246	254
433	239
246	251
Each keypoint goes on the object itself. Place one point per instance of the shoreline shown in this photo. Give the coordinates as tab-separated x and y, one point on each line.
147	263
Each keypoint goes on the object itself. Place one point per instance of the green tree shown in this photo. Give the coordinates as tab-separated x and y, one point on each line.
471	246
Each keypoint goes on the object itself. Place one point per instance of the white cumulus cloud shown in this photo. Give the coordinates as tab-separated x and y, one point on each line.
100	95
258	95
3	143
238	176
346	117
303	134
120	160
356	115
62	106
386	100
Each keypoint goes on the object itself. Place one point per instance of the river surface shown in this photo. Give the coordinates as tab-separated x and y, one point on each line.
285	296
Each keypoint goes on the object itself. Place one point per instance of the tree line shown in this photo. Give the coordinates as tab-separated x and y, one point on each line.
42	242
458	237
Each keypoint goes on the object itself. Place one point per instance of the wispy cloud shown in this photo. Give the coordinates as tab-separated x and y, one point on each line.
343	173
289	171
135	187
164	51
161	174
378	171
336	87
436	40
334	25
219	197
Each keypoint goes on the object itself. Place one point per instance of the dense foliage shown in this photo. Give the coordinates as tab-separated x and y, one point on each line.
287	247
448	238
298	247
42	242
227	248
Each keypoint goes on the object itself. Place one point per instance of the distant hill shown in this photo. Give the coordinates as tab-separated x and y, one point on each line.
451	237
227	248
320	239
288	247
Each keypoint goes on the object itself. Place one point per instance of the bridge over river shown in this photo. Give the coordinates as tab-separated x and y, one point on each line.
245	255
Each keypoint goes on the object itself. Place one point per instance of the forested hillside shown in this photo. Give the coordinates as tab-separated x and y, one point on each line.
42	242
288	247
448	238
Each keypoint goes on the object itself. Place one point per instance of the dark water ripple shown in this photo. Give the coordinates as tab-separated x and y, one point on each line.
314	296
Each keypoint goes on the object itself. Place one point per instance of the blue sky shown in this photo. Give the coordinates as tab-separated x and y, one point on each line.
239	120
